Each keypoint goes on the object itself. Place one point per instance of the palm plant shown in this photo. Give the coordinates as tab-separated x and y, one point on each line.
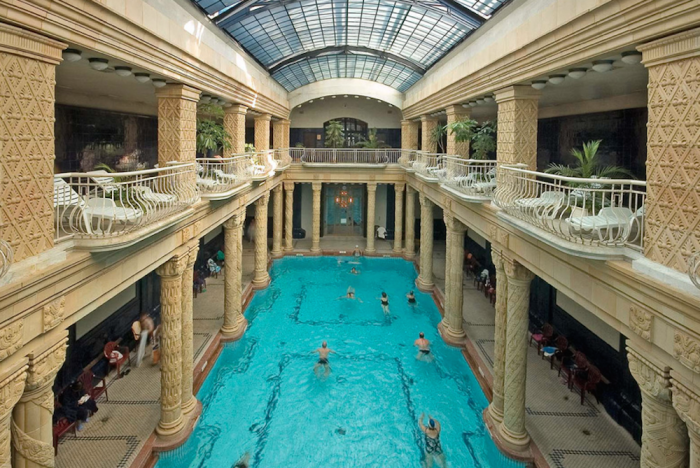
484	140
589	165
335	136
372	141
437	136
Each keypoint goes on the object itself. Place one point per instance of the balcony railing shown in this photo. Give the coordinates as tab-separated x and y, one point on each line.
350	157
407	158
591	212
469	179
220	178
262	164
283	158
428	166
105	210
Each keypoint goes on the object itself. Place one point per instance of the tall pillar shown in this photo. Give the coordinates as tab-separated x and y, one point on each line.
234	124
171	421
671	226
398	217
409	134
261	277
425	278
456	113
371	201
499	361
513	432
288	216
28	63
664	435
686	402
262	132
189	402
277	215
234	321
517	125
428	124
316	217
451	326
11	388
177	123
280	134
32	425
410	223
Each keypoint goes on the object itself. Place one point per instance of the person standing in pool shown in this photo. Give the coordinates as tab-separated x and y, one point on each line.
411	297
423	348
323	353
385	303
357	252
433	449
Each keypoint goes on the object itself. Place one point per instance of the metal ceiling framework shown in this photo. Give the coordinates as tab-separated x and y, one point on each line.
393	42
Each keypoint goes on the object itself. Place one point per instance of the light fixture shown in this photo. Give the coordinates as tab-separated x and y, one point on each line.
142	77
466	104
632	57
322	98
379	101
333	97
122	71
158	82
299	105
221	102
390	105
205	98
556	79
539	84
603	66
577	73
368	98
480	101
489	99
228	104
345	95
98	64
310	101
472	103
72	55
357	97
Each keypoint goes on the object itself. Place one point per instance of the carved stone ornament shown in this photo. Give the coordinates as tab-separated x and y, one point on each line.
641	321
651	379
11	338
53	313
33	450
43	367
11	390
686	350
173	267
687	404
191	231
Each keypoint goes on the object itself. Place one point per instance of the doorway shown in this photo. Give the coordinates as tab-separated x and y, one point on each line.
343	211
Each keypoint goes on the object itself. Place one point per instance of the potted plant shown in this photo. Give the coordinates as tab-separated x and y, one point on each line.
482	137
437	136
335	136
212	138
372	142
249	148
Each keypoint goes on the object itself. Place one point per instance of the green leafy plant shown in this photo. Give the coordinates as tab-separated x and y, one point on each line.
249	148
437	136
335	136
372	141
211	135
463	130
589	165
299	145
484	140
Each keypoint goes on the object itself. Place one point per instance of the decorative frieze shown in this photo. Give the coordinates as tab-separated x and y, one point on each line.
192	231
641	321
11	338
517	125
53	313
686	350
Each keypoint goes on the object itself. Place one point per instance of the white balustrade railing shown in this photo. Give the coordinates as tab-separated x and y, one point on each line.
597	212
468	178
99	204
222	175
262	164
428	166
296	154
7	255
349	156
283	158
407	158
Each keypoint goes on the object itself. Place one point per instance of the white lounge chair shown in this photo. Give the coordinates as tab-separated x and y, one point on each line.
106	182
546	199
106	212
146	194
609	222
69	206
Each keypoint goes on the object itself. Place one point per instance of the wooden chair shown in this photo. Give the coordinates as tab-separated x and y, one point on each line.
61	427
562	344
112	346
579	364
587	381
543	338
88	378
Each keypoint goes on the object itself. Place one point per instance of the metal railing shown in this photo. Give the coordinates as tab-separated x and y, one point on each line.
407	158
350	156
428	166
96	205
219	176
283	158
262	164
597	212
470	179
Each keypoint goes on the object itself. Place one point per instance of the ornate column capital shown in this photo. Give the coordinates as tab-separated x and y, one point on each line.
517	92
289	186
178	91
453	224
371	186
687	404
497	258
174	267
316	186
277	188
263	200
192	256
44	366
424	200
457	112
236	109
652	380
263	117
410	190
236	221
11	389
428	118
516	272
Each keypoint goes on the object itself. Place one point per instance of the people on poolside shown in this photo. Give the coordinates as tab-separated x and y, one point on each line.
357	252
385	303
433	449
76	404
423	346
143	331
354	271
243	462
350	294
323	353
411	297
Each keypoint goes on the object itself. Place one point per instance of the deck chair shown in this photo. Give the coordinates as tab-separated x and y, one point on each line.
106	183
145	193
608	221
106	212
69	206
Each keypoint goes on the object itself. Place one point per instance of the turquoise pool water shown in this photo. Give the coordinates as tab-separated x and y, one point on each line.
262	396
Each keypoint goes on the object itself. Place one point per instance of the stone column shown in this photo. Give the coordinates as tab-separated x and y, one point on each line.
234	321
189	402
409	134
11	388
428	123
177	123
686	402
513	432
316	217
664	435
28	64
517	125
277	221
280	134
425	278
371	201
234	124
289	216
451	326
398	217
410	223
261	277
671	218
171	421
262	132
32	425
454	114
499	361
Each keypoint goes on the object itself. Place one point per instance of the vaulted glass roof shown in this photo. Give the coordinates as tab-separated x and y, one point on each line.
389	41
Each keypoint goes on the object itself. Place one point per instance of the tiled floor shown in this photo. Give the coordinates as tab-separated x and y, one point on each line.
570	435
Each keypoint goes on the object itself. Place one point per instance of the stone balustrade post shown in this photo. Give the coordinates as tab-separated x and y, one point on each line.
234	321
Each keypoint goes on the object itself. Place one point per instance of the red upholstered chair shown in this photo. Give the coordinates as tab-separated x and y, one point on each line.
587	381
61	427
561	344
543	338
87	378
579	364
112	346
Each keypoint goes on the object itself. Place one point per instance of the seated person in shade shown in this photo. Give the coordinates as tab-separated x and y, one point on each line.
76	404
411	297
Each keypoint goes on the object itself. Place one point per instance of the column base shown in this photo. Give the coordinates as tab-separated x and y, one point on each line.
277	253
288	249
524	454
423	286
409	256
164	442
451	337
516	443
315	249
189	406
171	429
494	413
371	251
261	282
234	333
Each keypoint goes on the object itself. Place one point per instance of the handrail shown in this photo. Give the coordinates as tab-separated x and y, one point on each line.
471	179
349	156
428	166
222	175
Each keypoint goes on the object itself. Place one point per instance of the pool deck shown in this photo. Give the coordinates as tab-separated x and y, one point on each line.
568	434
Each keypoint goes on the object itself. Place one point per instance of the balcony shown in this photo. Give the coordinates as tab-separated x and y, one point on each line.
348	158
468	179
428	166
283	158
592	218
221	178
262	165
104	211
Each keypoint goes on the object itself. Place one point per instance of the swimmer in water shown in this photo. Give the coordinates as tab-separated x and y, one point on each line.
385	303
354	271
244	461
433	448
350	294
411	297
423	346
323	353
357	252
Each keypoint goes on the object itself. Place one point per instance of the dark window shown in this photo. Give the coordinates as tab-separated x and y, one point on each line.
354	130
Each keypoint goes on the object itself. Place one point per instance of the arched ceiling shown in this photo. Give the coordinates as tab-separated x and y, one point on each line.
392	42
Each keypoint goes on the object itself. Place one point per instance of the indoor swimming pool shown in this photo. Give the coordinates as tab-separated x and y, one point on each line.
263	398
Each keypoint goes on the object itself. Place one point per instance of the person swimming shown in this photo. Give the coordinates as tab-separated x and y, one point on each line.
385	302
433	448
323	353
354	271
244	461
423	348
411	297
350	294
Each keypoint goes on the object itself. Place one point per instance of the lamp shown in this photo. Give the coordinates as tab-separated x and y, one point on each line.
539	84
98	64
205	98
556	79
603	66
72	55
158	82
577	73
632	57
122	71
466	104
489	99
472	103
142	77
480	101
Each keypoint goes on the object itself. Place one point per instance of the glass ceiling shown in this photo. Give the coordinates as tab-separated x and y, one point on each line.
392	42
